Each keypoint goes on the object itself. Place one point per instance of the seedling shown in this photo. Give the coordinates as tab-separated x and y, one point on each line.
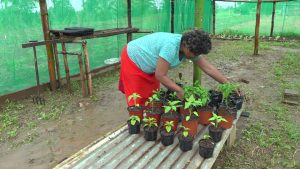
173	96
215	120
190	104
153	98
206	137
169	125
227	89
172	105
134	96
133	119
150	122
185	131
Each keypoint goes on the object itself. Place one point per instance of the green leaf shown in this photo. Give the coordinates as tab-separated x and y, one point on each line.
185	133
167	109
133	121
168	128
196	113
187	118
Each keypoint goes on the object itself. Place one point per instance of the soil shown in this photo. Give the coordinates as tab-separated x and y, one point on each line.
88	120
207	143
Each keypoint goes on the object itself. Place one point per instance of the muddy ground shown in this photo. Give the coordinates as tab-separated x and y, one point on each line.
43	136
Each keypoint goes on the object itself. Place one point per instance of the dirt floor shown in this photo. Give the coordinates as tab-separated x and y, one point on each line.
34	136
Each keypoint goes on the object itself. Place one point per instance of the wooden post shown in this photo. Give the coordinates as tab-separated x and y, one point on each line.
273	16
172	16
232	137
63	47
82	79
57	64
214	16
87	68
129	35
257	27
45	25
199	13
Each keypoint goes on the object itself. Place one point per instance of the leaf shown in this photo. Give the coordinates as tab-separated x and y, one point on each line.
185	133
214	124
133	121
167	109
168	128
196	113
187	118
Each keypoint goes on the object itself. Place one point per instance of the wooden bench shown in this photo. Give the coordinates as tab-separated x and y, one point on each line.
118	149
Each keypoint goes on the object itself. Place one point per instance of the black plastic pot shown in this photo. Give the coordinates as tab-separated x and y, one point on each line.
215	133
167	138
206	148
133	129
150	133
236	100
185	143
215	98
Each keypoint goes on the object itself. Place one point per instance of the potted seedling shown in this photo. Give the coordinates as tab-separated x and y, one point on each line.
190	120
170	113
134	124
215	131
150	128
135	109
167	133
185	139
227	108
204	110
153	111
206	146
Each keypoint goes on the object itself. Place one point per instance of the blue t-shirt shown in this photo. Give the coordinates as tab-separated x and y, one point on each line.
145	51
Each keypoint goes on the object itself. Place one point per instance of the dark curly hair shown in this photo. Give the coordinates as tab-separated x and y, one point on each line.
197	41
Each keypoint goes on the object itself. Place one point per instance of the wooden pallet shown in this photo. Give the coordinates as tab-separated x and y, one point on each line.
118	149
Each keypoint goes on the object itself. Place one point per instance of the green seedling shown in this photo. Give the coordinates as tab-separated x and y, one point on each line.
185	131
227	89
150	122
172	105
133	119
206	136
153	98
134	96
190	104
168	126
215	120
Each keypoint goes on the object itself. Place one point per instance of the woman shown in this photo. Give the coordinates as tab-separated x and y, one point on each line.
145	62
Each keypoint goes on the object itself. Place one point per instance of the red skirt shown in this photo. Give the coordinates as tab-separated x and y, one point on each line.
134	80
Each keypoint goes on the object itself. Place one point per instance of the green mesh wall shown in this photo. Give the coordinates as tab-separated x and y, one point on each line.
20	22
239	18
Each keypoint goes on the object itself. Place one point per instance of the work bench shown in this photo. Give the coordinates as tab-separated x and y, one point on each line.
84	65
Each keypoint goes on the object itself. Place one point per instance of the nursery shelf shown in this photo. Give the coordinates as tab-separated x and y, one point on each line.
118	149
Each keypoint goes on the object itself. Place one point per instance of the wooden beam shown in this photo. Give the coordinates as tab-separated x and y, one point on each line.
258	8
214	16
129	35
273	16
172	16
45	25
97	34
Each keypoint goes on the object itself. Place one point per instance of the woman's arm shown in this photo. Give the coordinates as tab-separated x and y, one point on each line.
212	71
161	74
